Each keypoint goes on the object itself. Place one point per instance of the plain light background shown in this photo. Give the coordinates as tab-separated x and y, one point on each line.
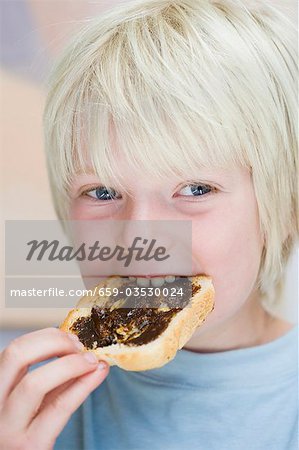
32	34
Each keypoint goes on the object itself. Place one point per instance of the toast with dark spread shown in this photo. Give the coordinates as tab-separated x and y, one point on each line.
138	332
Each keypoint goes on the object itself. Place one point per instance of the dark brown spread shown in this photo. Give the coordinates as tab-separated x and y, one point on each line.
136	324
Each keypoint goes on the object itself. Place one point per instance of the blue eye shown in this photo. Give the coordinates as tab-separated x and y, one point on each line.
103	193
195	190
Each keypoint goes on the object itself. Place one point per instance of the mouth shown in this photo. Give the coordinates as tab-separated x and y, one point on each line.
155	280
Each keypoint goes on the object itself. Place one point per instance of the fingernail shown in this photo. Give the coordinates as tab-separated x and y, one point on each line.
72	336
102	365
90	357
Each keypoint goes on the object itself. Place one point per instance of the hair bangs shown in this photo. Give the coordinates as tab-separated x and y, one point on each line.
135	105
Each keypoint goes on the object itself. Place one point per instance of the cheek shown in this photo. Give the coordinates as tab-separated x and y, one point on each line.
228	248
75	212
78	211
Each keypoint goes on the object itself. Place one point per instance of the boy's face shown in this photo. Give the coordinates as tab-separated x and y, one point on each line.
226	238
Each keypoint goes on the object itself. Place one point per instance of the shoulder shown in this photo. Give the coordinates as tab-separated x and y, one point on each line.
276	328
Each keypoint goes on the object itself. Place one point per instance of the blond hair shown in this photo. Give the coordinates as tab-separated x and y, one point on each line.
184	84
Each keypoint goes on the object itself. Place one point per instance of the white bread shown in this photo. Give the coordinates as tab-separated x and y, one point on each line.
161	350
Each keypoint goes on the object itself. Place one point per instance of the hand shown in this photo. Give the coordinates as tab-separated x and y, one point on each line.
35	406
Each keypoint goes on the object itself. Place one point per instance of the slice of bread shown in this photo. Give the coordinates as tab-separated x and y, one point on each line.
161	349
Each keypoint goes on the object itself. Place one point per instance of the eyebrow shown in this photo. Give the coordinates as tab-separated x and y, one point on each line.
224	174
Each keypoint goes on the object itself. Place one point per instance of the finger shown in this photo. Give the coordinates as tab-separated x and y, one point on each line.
29	349
58	412
53	394
27	396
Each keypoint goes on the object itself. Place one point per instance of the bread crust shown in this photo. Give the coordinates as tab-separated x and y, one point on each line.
164	348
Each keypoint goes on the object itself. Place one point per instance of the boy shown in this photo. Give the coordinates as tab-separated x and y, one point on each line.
179	110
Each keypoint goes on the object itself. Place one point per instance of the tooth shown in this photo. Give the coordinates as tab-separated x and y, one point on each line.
170	278
190	278
157	282
143	282
132	278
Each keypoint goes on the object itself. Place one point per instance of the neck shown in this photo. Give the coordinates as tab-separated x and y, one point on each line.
252	325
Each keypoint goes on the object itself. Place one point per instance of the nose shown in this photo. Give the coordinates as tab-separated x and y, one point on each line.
153	223
141	218
143	209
